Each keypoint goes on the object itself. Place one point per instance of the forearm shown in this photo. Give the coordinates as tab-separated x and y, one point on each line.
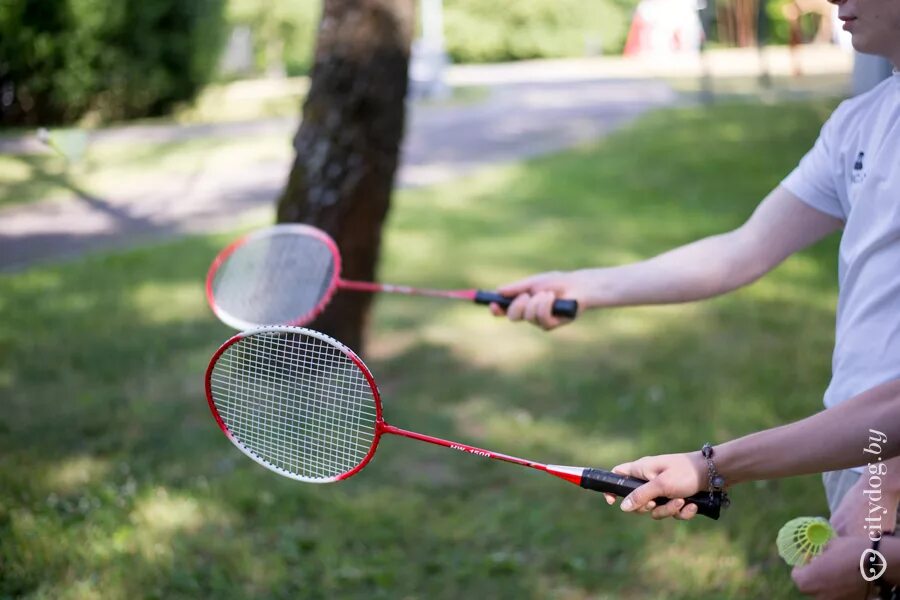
698	270
862	430
781	225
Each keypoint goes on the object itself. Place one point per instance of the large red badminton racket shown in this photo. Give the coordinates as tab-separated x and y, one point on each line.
305	406
286	275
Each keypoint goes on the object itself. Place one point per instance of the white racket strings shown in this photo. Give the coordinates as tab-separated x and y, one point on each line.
279	277
296	402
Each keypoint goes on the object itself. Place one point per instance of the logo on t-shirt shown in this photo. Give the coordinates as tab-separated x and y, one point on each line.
858	175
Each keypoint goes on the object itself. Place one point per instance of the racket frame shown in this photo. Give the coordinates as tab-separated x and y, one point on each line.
336	283
580	476
299	228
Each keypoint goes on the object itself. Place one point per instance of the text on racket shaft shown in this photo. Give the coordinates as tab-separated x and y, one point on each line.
471	450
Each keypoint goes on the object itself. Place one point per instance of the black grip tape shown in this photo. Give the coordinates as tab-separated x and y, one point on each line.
621	485
561	308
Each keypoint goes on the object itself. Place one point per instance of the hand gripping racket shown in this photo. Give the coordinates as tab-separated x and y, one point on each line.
286	275
305	406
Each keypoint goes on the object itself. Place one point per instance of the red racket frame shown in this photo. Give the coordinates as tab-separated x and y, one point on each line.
338	283
595	479
570	474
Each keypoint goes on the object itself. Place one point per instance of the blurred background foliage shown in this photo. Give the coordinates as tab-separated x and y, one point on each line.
97	61
478	31
282	32
116	59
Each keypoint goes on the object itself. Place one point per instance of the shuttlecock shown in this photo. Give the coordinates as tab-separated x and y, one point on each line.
803	538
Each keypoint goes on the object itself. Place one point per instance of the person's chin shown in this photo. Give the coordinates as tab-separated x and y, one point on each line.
859	44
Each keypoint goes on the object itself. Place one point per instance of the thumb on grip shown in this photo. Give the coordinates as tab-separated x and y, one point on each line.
622	485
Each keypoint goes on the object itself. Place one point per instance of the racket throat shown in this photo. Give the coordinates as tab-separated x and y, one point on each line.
570	474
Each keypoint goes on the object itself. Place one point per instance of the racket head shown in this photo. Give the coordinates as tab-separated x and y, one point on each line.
280	275
296	401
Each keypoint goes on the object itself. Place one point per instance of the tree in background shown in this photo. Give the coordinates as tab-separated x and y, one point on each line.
737	21
348	145
116	59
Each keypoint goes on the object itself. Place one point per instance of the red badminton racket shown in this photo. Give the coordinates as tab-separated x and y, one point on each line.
305	406
286	275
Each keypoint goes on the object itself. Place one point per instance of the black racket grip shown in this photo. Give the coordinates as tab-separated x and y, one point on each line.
621	485
561	308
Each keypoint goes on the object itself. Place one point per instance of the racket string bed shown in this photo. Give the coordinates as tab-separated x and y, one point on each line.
275	278
296	402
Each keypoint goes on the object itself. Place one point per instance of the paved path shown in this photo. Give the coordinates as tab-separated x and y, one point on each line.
516	121
533	108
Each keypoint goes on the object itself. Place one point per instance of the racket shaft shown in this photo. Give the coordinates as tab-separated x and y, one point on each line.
561	308
591	479
621	485
367	286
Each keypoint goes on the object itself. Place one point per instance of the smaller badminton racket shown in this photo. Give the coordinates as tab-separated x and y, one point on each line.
306	407
803	538
286	275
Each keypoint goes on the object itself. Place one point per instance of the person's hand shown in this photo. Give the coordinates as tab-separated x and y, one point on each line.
674	476
850	517
834	574
534	297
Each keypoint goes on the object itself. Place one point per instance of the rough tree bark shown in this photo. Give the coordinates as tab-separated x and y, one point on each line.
348	144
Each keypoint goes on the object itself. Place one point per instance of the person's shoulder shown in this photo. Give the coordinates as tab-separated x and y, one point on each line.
861	104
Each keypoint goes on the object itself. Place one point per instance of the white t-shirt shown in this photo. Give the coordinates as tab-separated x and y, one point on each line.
853	173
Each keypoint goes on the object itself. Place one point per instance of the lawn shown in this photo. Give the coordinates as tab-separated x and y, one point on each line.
116	483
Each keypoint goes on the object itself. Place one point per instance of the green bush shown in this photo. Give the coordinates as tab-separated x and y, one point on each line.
117	59
497	30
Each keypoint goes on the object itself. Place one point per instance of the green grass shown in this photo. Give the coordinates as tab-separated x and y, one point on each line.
115	482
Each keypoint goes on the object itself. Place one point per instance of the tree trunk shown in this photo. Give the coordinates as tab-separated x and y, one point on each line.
348	144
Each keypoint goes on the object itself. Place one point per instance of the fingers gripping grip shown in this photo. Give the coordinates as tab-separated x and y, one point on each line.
621	485
561	308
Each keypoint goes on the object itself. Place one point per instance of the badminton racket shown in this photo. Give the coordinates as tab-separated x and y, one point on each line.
286	275
306	407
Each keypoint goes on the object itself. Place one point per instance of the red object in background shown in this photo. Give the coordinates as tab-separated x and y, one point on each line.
638	40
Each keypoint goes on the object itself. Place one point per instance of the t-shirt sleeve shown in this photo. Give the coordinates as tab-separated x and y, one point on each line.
813	180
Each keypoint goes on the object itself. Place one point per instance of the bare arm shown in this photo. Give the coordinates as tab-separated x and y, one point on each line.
781	225
862	430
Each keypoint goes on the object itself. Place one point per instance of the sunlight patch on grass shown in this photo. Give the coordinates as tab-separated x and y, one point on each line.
511	348
13	170
517	347
75	472
479	418
696	564
83	589
159	516
161	303
164	513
